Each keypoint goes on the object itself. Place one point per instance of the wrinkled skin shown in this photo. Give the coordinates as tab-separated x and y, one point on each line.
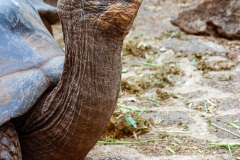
67	121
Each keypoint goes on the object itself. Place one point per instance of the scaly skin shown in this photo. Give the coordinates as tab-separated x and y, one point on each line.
9	144
67	122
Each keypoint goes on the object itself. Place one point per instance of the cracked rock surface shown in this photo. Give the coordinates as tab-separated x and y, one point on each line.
219	18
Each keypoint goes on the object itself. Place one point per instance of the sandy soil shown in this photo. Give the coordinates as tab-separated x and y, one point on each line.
181	81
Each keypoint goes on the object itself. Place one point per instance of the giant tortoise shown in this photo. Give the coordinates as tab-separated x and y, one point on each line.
54	106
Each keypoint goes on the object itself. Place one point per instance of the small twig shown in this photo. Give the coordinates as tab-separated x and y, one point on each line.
177	140
233	125
194	60
129	108
180	97
224	129
229	149
150	64
205	107
190	105
168	148
155	101
225	145
158	120
127	142
210	102
173	132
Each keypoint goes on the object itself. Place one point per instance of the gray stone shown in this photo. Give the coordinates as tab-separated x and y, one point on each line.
212	17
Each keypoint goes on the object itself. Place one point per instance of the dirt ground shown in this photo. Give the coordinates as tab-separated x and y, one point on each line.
181	82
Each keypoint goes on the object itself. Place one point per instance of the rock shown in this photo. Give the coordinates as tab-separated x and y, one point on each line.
219	18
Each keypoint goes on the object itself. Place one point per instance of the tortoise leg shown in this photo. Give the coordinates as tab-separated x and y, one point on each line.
47	24
9	143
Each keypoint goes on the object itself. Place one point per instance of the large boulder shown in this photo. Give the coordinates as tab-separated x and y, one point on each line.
219	18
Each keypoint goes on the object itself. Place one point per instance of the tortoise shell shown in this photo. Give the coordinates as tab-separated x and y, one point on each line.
30	59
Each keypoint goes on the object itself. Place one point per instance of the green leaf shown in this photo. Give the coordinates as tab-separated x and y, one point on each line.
131	121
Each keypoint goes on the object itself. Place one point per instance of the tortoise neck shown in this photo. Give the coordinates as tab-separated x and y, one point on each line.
89	87
76	112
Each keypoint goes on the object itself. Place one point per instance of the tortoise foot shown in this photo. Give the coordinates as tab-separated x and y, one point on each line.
9	143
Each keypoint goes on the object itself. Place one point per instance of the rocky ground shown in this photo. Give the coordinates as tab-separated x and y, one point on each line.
182	91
